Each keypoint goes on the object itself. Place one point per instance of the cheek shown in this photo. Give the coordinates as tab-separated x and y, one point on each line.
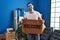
29	7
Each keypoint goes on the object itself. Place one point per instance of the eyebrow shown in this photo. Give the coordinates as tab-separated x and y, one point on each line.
30	5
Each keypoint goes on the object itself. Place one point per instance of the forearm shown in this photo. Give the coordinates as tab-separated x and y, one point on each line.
41	19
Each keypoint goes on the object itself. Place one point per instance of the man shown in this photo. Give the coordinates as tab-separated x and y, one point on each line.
32	15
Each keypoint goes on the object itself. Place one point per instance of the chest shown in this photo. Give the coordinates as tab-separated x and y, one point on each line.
32	16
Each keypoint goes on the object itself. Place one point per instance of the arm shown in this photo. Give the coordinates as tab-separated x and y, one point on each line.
25	18
40	17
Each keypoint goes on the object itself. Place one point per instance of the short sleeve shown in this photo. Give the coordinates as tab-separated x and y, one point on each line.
25	15
39	15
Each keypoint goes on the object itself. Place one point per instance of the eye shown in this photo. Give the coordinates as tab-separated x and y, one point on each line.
29	5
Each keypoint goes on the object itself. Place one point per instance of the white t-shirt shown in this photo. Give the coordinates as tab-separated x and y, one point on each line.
33	16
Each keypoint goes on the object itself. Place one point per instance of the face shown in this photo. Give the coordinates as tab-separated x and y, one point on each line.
30	7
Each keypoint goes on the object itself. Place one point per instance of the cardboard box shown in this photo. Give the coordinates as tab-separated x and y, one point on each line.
2	36
9	30
10	36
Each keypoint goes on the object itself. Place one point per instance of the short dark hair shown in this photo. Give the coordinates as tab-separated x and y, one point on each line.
29	3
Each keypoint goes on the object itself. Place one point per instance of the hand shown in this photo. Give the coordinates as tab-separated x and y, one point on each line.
21	21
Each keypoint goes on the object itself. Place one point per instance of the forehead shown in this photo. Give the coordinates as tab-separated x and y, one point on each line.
29	4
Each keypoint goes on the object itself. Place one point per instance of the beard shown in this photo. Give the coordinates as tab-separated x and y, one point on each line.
30	9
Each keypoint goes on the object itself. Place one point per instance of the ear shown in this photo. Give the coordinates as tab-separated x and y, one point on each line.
41	15
32	6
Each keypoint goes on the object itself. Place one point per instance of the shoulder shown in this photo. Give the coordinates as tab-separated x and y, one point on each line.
26	13
37	12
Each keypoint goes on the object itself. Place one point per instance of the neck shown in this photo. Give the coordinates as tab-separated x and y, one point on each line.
31	11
